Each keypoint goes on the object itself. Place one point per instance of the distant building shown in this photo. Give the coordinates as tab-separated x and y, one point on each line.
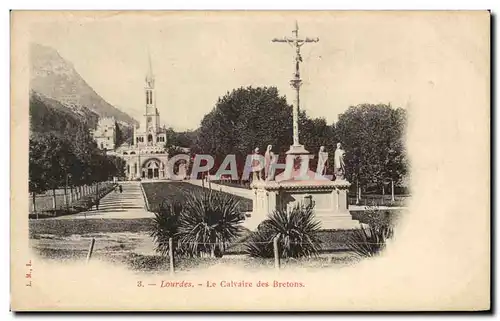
105	134
146	157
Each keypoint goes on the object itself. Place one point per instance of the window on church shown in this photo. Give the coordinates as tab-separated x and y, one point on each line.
150	138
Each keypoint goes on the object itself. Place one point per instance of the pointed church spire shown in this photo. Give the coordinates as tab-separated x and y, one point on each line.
149	76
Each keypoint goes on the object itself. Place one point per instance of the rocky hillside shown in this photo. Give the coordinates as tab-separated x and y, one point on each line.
55	78
49	115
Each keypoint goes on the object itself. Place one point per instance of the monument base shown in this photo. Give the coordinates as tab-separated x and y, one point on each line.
329	200
297	150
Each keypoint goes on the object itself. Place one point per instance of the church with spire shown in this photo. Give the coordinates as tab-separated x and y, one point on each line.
146	157
150	135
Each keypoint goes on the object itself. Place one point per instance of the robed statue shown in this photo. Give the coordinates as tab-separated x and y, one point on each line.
339	165
256	164
268	158
322	161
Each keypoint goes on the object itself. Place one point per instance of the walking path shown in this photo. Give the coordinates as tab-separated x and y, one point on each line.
243	192
129	204
247	193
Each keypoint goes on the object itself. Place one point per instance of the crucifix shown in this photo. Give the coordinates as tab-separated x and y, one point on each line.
296	43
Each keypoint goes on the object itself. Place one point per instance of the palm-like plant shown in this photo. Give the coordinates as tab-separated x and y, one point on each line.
260	244
370	240
166	225
209	222
296	231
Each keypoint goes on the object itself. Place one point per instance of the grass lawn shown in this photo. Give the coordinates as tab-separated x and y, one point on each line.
158	192
69	227
136	252
127	241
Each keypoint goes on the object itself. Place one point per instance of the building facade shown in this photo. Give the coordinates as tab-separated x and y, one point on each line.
105	134
146	157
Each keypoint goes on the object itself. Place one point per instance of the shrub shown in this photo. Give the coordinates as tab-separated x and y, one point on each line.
296	230
370	240
260	244
209	222
166	225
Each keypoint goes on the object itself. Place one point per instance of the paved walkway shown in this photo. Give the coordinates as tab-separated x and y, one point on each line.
243	192
126	205
247	193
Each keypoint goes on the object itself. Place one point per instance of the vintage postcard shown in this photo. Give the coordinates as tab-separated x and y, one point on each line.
250	161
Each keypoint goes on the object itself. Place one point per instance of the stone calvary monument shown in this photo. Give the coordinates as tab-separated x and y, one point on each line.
297	184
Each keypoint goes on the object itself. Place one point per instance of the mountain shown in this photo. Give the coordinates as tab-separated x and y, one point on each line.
49	115
55	78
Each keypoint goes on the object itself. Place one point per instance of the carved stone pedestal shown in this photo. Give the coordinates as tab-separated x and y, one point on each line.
329	200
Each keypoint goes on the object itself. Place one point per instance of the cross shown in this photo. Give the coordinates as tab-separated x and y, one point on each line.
296	81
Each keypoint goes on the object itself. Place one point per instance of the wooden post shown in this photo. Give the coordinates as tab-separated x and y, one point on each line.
276	253
66	204
54	204
357	192
392	190
91	249
34	205
171	255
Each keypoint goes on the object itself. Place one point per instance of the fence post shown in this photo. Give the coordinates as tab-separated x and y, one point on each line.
91	249
171	255
392	190
276	253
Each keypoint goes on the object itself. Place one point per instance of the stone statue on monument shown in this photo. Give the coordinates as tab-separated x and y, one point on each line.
339	165
256	164
267	160
322	161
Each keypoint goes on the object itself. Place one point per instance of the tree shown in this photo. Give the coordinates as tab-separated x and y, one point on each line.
246	118
179	139
242	120
315	133
52	160
124	134
37	171
372	136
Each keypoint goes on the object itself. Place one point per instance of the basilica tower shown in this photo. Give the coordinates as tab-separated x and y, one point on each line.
152	116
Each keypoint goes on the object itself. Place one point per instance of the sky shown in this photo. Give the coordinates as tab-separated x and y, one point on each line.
198	57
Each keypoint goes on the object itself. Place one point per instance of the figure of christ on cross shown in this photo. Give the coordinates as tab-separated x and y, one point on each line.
297	43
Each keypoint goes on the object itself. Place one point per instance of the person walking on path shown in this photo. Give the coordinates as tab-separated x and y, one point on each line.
121	190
